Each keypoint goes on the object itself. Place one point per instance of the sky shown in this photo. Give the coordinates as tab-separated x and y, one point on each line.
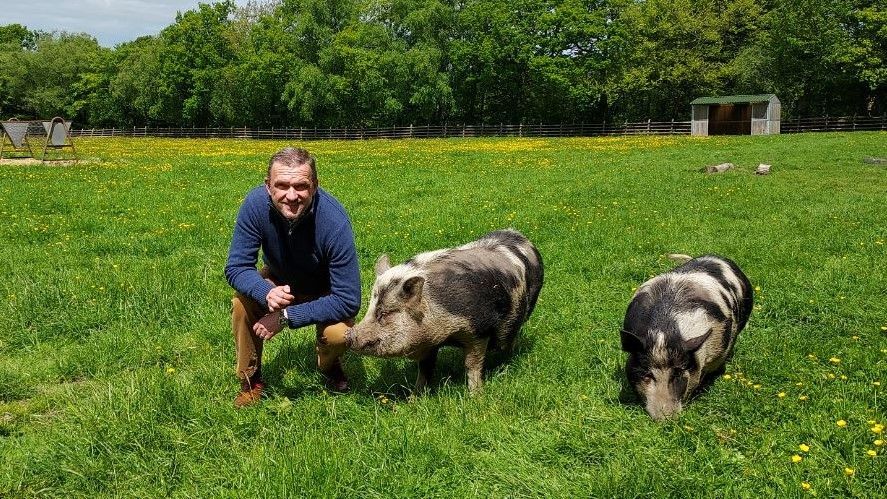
109	21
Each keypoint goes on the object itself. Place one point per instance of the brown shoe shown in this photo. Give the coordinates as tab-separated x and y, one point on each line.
249	395
336	381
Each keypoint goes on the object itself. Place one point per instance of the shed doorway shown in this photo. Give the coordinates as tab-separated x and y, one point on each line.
729	119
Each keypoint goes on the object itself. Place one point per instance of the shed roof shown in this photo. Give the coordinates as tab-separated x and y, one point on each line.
733	99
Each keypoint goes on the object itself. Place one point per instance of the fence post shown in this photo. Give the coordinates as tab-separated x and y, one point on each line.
648	126
411	130
854	122
826	122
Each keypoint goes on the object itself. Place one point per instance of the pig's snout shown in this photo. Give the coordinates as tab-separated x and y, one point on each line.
360	343
662	411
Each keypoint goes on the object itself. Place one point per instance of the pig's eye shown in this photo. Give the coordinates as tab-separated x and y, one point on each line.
648	378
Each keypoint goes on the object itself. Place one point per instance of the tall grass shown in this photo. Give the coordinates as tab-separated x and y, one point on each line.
116	359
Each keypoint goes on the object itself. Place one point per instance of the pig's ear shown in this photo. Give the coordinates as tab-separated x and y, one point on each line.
693	344
382	264
411	291
630	341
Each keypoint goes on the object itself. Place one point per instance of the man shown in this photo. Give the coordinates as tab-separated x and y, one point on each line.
310	273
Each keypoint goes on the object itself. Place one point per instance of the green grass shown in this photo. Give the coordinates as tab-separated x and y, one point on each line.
116	358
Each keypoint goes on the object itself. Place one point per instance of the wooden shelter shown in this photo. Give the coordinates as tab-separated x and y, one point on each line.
736	115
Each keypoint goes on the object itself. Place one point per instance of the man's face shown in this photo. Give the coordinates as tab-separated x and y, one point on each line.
291	189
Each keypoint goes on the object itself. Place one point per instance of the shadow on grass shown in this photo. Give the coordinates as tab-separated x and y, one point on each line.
398	376
300	357
627	395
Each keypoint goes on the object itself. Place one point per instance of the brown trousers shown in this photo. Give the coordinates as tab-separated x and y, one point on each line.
329	343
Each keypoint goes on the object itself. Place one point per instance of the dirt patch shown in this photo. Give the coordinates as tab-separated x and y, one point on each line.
32	161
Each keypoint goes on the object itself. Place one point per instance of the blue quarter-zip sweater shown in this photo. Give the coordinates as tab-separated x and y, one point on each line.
315	256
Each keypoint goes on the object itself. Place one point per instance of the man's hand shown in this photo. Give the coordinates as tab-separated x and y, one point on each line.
269	325
279	298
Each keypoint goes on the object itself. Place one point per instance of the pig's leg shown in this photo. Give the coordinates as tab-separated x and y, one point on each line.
475	351
426	371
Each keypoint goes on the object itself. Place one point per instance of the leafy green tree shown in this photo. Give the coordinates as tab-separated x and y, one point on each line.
58	78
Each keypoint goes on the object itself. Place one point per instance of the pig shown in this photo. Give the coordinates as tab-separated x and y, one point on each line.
680	328
476	297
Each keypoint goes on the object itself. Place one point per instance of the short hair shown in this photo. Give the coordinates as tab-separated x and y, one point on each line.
294	156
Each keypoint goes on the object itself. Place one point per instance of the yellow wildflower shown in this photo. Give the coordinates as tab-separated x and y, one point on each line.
727	376
803	397
878	428
841	423
849	471
878	442
871	453
834	360
796	458
170	370
781	395
805	485
804	447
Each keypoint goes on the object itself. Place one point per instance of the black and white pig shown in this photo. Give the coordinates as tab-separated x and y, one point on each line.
680	327
476	297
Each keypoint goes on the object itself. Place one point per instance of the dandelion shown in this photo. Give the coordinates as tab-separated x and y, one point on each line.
871	453
170	370
805	485
841	423
804	448
757	288
781	395
876	383
796	458
803	397
878	442
849	471
727	376
878	428
830	376
834	360
756	387
843	377
855	338
811	356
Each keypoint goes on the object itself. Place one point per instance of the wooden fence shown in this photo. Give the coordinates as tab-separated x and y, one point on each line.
822	124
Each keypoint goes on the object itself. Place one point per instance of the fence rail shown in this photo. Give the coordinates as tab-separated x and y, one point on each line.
820	124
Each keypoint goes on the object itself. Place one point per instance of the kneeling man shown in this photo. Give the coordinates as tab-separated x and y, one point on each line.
310	273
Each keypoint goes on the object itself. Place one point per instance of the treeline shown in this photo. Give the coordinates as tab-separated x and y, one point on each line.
399	62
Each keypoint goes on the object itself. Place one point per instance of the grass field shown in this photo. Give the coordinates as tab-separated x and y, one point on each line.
116	358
